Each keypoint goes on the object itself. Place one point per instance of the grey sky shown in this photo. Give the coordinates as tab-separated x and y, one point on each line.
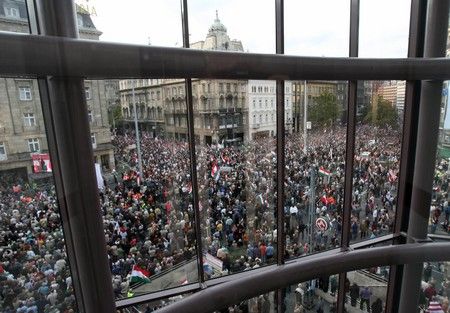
312	27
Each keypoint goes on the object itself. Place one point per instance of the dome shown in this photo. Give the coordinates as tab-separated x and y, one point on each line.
217	25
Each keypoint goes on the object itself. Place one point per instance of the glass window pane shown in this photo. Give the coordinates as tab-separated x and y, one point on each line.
227	25
366	290
317	28
384	28
380	106
315	166
154	305
138	22
34	269
440	207
14	16
148	217
316	295
263	303
435	288
236	175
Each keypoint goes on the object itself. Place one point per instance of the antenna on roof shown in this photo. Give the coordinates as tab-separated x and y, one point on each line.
217	15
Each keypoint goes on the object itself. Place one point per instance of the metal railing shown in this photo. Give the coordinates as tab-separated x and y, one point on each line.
237	290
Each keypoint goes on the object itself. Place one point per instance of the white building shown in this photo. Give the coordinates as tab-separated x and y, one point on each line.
218	39
262	112
400	103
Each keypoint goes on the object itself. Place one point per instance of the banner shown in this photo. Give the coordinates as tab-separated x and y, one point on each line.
98	173
41	163
446	94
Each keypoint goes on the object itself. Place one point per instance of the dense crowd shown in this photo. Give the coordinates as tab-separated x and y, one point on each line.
149	218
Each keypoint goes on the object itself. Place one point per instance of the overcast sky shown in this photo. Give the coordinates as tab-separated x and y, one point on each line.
312	27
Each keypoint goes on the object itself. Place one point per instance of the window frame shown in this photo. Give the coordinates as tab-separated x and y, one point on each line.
32	144
25	93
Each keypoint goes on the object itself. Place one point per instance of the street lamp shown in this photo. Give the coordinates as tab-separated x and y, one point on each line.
136	127
305	108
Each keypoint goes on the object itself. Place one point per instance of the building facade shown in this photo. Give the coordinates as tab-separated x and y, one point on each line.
220	106
262	100
22	130
314	88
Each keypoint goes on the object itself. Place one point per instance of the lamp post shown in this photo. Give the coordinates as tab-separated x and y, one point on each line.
305	108
136	127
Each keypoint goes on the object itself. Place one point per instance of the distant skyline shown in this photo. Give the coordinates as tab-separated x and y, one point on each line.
312	28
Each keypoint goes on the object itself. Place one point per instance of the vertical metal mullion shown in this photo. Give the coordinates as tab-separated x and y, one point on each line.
191	138
425	157
279	21
409	138
66	121
350	147
32	20
279	42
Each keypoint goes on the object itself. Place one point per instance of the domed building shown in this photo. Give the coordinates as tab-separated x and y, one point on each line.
218	39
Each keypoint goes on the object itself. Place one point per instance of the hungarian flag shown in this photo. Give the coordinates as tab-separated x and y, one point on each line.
324	172
139	275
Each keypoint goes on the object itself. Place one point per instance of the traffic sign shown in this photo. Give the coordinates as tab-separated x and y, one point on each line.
321	224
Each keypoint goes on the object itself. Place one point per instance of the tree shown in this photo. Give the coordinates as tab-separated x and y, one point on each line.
325	110
382	114
114	114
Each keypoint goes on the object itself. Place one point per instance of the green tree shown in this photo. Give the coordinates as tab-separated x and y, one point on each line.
383	113
324	111
114	114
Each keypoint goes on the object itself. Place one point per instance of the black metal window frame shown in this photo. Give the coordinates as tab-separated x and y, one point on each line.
60	61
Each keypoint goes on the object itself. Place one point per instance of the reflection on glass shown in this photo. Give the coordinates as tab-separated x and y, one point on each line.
315	165
435	289
236	173
149	217
377	158
34	270
317	295
440	207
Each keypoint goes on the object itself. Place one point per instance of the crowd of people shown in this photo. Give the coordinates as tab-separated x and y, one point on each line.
149	219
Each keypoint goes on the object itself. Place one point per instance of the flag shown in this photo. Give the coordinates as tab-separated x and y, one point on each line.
392	177
138	179
139	275
184	281
217	176
214	169
434	307
324	172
